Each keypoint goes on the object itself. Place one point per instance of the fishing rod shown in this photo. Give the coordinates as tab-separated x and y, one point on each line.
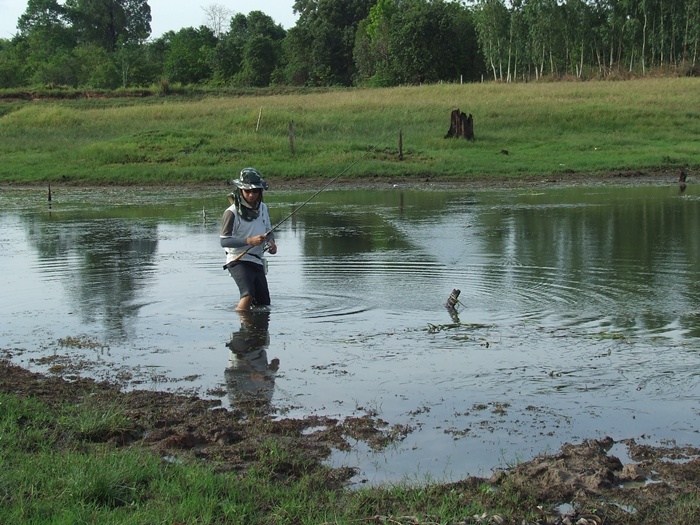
324	187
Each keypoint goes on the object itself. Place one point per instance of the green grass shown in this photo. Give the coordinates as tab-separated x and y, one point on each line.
58	468
53	473
547	128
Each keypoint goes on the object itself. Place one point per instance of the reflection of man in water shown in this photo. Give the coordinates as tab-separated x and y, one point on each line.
248	374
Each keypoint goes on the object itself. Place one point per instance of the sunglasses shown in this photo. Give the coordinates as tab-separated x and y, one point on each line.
254	190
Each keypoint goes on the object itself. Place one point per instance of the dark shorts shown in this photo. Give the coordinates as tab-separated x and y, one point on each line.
251	280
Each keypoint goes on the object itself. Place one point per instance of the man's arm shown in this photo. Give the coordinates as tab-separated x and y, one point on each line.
226	237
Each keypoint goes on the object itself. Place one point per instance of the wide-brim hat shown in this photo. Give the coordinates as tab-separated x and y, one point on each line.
250	179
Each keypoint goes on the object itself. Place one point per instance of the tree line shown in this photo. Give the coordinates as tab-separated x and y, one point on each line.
106	44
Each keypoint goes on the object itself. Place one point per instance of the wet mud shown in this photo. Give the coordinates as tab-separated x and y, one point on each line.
593	482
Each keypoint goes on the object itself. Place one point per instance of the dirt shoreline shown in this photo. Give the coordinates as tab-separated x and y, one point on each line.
564	486
656	176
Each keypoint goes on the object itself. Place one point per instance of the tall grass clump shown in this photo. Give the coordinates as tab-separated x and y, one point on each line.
51	118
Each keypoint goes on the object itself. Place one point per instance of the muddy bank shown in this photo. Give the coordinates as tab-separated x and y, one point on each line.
622	177
656	176
597	481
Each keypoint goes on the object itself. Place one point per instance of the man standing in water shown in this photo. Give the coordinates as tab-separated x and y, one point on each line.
246	233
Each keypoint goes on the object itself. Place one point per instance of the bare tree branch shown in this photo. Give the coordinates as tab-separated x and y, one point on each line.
217	18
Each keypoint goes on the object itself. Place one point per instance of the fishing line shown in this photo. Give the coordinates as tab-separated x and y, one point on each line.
350	166
325	186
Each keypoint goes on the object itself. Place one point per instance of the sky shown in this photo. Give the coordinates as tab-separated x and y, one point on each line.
170	14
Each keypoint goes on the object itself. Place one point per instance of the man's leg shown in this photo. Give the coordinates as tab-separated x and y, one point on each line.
245	304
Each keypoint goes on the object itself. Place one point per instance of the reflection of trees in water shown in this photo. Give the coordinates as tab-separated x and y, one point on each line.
628	253
248	373
107	261
350	222
615	243
339	235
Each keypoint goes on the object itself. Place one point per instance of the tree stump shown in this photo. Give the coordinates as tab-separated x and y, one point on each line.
461	125
453	299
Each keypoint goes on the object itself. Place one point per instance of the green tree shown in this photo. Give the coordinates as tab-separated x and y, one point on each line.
578	20
432	41
227	57
150	63
136	65
61	68
517	42
188	55
259	24
371	52
42	15
108	23
691	35
44	28
545	34
44	44
319	50
259	62
95	67
494	30
298	62
250	51
11	65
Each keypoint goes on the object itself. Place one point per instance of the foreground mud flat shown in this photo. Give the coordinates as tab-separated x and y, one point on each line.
597	481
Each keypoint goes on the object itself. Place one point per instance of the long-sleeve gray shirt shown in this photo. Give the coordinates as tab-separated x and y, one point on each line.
235	231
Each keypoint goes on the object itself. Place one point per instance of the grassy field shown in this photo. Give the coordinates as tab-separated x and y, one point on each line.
545	128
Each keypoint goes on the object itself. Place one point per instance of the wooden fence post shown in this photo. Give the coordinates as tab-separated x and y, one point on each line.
291	136
257	127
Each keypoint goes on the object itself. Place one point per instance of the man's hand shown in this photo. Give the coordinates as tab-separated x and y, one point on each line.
255	240
272	247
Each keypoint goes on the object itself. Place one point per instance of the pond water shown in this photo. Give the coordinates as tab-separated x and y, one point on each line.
578	318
